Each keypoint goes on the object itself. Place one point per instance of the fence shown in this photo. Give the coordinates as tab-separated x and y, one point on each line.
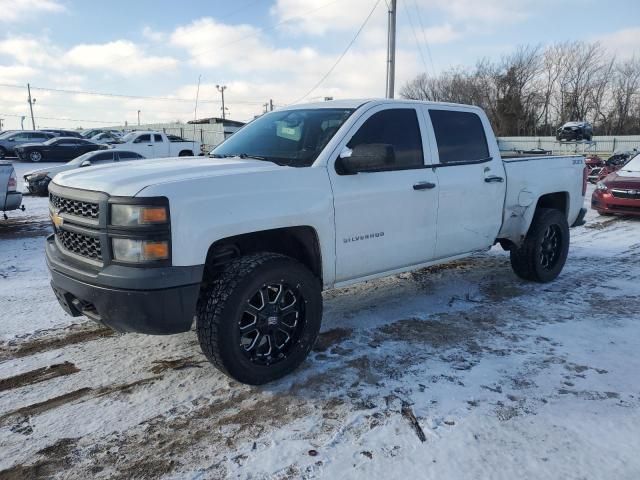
209	135
601	145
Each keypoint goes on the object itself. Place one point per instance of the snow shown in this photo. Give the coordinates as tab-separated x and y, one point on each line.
505	379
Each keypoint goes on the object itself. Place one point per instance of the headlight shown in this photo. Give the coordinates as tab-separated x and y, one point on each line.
36	176
134	215
601	186
138	251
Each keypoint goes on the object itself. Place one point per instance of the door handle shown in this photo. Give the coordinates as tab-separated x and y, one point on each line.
424	186
493	179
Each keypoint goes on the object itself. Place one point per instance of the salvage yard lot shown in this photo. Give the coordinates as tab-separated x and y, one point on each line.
457	371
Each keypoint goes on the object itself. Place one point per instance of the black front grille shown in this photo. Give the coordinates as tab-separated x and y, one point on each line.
75	207
80	244
631	195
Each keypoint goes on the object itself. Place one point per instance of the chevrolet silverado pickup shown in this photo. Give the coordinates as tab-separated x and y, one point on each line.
151	144
302	199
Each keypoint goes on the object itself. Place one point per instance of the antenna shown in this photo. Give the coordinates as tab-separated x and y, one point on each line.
195	116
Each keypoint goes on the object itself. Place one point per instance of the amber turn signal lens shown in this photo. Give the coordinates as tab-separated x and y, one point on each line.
153	215
155	250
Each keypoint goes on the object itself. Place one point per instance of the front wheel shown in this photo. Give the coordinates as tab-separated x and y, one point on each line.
35	156
258	320
3	153
544	251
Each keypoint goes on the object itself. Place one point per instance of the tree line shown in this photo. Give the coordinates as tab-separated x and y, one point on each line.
535	89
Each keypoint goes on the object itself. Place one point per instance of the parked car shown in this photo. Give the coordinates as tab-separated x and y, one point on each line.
9	141
64	133
105	138
310	196
612	164
575	131
10	197
619	192
37	181
57	149
157	145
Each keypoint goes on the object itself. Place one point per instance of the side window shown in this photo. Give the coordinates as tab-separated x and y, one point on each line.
128	155
460	136
397	129
143	139
102	158
157	138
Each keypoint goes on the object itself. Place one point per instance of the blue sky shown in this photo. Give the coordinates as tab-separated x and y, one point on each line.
261	49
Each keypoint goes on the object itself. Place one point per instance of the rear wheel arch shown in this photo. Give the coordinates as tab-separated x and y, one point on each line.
185	153
301	243
556	200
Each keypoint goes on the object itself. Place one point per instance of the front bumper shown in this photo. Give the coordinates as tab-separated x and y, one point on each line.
37	187
605	202
156	301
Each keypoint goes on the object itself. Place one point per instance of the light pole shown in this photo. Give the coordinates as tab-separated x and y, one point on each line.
139	117
221	89
31	102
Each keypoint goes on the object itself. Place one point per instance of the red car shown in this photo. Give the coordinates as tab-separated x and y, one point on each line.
619	192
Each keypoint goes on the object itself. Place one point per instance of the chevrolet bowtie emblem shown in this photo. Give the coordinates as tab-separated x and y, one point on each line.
57	219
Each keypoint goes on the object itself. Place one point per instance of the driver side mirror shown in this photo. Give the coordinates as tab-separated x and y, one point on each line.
86	163
365	158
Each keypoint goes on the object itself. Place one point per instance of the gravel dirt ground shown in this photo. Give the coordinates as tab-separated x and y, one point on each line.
455	371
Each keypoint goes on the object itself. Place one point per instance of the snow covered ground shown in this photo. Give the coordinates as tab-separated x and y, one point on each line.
458	371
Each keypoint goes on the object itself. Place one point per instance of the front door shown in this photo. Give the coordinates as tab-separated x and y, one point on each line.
385	217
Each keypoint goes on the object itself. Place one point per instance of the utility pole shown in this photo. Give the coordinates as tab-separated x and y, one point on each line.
391	50
31	102
271	104
1	123
221	89
138	117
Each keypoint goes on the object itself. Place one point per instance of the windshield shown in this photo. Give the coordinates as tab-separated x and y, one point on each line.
81	158
129	136
5	134
633	165
288	137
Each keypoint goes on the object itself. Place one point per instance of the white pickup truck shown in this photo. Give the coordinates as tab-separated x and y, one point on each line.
152	144
305	198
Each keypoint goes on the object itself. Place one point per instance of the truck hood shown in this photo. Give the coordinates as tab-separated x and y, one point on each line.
129	178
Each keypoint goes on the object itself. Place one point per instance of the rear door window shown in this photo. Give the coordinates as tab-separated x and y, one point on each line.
157	138
460	136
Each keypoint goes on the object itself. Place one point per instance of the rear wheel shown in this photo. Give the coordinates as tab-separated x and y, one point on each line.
259	319
35	156
3	153
544	252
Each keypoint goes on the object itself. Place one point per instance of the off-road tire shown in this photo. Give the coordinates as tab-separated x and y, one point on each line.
525	260
221	304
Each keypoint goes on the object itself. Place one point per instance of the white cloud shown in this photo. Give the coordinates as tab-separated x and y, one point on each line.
624	43
153	35
317	17
30	50
120	56
16	73
18	10
237	48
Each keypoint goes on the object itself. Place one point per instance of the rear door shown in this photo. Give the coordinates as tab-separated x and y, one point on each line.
471	181
160	147
385	219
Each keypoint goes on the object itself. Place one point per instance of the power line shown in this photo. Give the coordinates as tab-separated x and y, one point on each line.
353	40
424	36
415	36
117	122
120	95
